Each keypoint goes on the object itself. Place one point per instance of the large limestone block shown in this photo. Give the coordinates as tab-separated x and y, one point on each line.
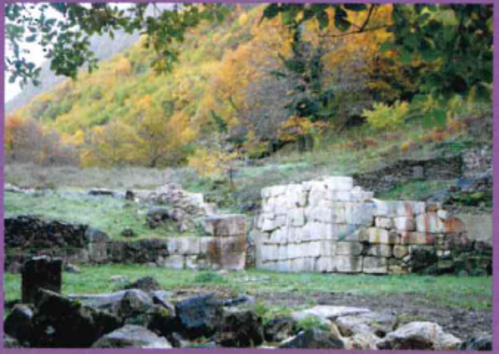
311	249
384	223
429	223
348	248
314	231
378	236
297	265
206	244
328	248
295	196
225	225
388	208
347	264
295	250
324	264
296	217
339	183
360	213
283	252
400	251
273	191
405	223
318	214
278	236
270	265
346	232
417	238
270	253
174	261
188	245
314	185
375	265
380	251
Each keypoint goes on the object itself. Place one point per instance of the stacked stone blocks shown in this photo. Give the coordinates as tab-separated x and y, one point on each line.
333	226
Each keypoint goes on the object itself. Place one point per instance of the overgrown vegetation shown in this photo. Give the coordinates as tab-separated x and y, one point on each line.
269	79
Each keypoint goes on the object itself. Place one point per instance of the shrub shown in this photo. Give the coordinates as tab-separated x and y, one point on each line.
383	116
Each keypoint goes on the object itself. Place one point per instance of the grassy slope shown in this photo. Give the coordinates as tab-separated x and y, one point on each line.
446	291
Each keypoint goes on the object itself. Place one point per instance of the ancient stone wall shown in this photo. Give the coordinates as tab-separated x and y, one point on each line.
477	161
331	225
223	246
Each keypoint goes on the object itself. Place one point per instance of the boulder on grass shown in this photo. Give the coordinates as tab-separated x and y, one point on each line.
313	339
477	344
131	336
279	328
376	323
18	323
420	336
199	316
162	320
59	322
146	284
240	329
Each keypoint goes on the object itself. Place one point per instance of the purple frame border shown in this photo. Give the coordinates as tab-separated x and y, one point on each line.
495	188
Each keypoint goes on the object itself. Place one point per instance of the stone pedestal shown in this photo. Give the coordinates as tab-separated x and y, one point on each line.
41	272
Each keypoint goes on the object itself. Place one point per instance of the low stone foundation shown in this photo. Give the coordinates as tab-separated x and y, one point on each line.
223	246
333	226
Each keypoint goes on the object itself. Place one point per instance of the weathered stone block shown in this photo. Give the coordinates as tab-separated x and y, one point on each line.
318	214
339	183
270	253
375	265
347	264
397	208
314	231
311	249
225	225
416	238
400	251
377	236
207	243
97	252
324	264
384	223
295	250
328	248
297	265
405	223
380	251
174	261
296	217
40	273
429	223
188	245
348	248
283	252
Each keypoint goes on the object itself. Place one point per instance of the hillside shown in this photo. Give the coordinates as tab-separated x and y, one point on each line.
236	93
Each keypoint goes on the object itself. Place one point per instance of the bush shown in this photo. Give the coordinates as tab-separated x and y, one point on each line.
383	116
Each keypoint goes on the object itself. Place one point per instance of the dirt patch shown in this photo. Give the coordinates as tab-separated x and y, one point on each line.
463	323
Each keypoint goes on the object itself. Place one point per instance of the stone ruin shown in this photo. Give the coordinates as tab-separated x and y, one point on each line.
330	225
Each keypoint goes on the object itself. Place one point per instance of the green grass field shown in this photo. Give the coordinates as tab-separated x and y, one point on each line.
471	293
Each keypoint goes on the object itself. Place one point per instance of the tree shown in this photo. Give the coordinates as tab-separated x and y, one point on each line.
64	30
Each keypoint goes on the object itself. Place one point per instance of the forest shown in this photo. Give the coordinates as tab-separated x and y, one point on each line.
261	79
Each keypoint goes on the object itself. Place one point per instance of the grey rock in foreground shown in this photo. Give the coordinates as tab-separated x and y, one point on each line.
313	339
131	336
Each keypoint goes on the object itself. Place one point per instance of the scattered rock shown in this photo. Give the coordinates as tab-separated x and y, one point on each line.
477	344
313	339
329	312
199	316
96	236
371	322
131	336
101	192
9	342
18	323
279	328
162	320
160	297
421	336
59	322
14	268
240	300
71	268
41	272
362	341
147	284
133	307
241	329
